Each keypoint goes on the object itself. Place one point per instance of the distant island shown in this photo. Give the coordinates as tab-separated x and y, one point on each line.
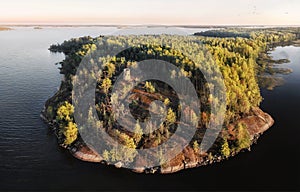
5	28
240	53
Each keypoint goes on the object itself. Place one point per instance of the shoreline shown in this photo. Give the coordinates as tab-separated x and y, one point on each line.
269	74
257	124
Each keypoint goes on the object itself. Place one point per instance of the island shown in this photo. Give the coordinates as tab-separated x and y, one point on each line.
5	28
241	55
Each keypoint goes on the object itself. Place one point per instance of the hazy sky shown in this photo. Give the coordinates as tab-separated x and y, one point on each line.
195	12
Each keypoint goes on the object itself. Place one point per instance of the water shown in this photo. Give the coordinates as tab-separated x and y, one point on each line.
31	159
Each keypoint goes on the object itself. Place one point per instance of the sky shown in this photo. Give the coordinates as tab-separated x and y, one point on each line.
143	12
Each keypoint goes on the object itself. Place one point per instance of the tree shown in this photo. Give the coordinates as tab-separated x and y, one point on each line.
70	133
167	101
225	150
111	68
138	132
106	84
50	111
149	87
196	147
64	117
194	118
243	139
171	117
65	112
106	155
210	157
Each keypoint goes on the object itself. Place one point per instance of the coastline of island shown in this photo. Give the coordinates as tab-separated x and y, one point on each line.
257	123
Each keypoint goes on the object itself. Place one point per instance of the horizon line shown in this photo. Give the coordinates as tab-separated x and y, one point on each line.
149	25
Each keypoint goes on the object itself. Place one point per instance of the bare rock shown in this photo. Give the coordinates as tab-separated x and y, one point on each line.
118	164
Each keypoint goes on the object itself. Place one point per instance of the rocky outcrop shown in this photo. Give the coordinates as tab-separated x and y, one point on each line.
257	124
85	153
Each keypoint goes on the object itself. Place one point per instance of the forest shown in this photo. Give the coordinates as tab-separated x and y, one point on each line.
236	52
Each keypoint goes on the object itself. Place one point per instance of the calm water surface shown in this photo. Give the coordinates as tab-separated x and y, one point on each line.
31	159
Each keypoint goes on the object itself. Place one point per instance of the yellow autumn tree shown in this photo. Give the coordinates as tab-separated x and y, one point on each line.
138	132
171	117
225	150
68	129
70	133
106	84
65	111
149	87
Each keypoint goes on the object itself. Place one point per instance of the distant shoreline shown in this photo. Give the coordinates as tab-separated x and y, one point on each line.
5	28
150	26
